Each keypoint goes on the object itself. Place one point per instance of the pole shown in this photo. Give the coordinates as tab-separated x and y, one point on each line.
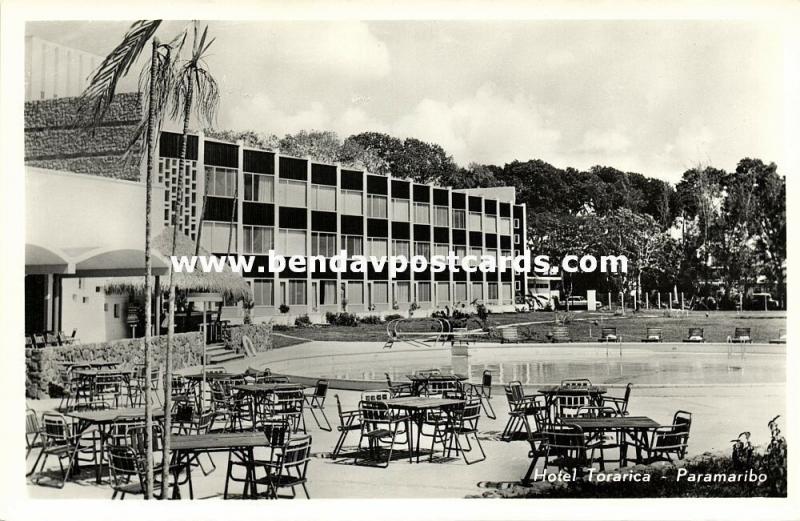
647	301
658	297
203	383
683	303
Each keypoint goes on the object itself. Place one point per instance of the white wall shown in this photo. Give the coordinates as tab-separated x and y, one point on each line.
91	312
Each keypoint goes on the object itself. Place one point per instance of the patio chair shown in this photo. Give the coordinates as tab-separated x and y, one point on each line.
695	335
290	468
39	341
231	407
59	440
741	335
398	390
609	334
28	342
576	382
781	337
520	408
435	371
126	470
619	403
348	421
439	387
276	379
559	334
462	423
182	392
276	432
186	422
379	424
509	335
567	405
32	435
107	387
535	438
653	334
316	401
669	441
484	391
380	395
288	404
51	339
566	448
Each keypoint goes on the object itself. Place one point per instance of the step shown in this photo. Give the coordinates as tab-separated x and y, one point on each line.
218	359
217	351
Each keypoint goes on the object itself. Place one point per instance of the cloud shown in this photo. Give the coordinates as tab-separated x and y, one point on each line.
559	58
605	142
485	127
262	114
692	145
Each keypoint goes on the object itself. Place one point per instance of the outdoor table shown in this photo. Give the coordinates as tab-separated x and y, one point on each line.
549	392
416	406
259	391
240	444
102	419
211	376
419	383
91	363
635	427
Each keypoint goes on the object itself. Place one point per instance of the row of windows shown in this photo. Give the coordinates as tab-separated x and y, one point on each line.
325	292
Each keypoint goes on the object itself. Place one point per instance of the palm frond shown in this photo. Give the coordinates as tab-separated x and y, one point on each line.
96	99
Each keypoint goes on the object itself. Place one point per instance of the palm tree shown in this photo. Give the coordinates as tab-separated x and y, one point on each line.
193	84
94	104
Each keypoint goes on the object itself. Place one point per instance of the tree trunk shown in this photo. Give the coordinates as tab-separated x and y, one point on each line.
148	277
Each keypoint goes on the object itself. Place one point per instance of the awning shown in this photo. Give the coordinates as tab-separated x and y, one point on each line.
92	261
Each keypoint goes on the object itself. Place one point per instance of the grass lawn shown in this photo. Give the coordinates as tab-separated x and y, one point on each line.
583	326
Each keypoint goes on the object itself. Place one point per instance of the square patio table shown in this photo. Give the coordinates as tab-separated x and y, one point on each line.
259	391
635	427
102	419
239	444
416	406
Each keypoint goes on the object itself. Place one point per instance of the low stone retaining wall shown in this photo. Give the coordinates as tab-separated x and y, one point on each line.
260	334
42	365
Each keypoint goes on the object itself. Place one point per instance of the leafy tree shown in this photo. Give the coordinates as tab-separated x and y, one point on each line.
474	176
250	138
322	146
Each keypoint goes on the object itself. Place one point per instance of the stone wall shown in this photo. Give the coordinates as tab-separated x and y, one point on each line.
52	140
260	334
42	365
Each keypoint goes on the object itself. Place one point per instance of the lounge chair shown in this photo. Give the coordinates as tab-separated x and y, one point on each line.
781	337
609	334
509	334
669	441
695	335
654	334
741	335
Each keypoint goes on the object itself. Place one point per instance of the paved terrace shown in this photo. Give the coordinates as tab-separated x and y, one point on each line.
720	413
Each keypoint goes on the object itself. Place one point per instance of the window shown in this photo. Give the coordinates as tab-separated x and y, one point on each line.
323	244
352	202
459	219
443	292
477	251
292	193
460	251
402	292
294	292
258	187
422	213
516	223
401	210
354	245
423	249
517	285
505	226
441	249
327	292
355	293
490	224
440	216
291	242
377	247
221	181
258	239
401	248
376	206
474	221
116	310
508	295
477	291
263	294
461	291
322	198
424	291
214	237
516	238
380	292
493	291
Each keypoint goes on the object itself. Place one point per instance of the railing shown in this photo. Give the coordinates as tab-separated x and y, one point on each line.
215	331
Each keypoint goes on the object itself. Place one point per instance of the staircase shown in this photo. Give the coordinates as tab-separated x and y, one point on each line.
218	353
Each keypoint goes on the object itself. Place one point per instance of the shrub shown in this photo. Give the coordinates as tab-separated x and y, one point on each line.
412	308
395	316
302	321
371	319
341	319
283	308
483	314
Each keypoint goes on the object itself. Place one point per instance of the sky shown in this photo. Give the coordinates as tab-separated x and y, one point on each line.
655	97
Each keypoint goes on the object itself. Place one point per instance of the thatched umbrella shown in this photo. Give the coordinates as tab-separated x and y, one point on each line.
227	283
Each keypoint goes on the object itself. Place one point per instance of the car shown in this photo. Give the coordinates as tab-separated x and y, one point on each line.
760	301
574	302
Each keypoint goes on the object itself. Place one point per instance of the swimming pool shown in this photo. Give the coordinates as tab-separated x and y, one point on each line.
642	364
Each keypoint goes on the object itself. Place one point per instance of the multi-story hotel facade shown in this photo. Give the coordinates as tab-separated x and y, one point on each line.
260	200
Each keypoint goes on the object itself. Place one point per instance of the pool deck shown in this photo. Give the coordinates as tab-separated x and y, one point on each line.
720	413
